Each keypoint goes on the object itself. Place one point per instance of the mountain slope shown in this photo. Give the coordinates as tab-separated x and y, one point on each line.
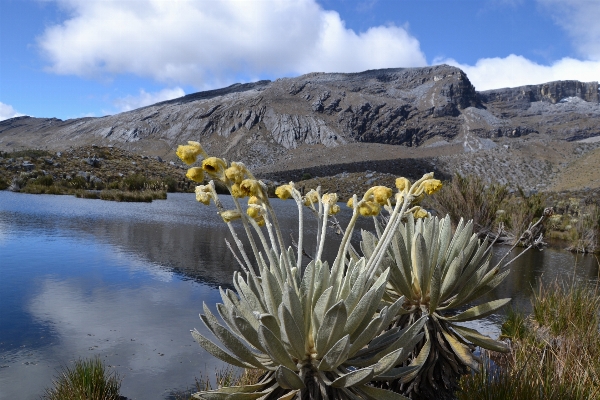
329	122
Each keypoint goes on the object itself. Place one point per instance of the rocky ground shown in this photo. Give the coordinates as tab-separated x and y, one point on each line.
92	168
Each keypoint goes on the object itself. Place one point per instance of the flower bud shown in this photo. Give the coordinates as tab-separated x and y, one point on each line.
369	209
420	213
196	174
251	187
402	184
334	209
213	165
230	215
188	153
254	200
311	197
236	191
330	198
203	194
284	192
430	186
253	211
236	172
350	202
381	194
260	220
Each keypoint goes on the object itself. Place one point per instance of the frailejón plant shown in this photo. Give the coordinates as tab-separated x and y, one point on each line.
317	332
438	273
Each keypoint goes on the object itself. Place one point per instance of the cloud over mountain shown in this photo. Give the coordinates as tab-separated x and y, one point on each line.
7	111
213	43
144	98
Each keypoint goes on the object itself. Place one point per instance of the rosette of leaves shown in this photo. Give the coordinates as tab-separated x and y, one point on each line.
437	274
316	334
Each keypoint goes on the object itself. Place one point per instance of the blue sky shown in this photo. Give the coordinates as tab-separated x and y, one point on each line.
76	58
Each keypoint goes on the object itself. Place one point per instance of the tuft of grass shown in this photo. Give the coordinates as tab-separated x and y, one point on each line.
514	326
86	380
555	352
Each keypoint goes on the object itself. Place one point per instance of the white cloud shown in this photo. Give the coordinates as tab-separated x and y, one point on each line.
512	71
581	20
7	111
212	43
129	103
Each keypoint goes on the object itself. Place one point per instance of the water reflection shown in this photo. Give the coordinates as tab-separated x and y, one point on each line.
126	281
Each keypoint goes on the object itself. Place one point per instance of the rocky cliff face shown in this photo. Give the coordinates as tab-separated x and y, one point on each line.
407	112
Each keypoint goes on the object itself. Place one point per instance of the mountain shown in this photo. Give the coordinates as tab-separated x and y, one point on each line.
399	121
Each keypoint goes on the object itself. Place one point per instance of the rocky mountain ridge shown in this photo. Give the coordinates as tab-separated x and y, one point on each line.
321	120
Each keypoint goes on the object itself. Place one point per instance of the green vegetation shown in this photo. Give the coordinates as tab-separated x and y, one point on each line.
555	352
86	380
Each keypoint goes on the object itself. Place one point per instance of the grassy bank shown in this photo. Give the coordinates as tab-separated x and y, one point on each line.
555	352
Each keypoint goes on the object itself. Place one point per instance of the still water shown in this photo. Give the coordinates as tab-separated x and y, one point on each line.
126	281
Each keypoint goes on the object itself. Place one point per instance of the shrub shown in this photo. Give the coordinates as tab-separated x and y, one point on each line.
135	182
469	197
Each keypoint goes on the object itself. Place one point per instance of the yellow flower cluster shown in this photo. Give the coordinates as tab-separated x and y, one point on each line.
241	183
188	153
256	210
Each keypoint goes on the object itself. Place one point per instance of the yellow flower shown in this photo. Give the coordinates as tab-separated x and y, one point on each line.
369	209
251	187
350	202
311	197
284	192
254	200
381	194
420	213
330	198
260	220
236	172
430	186
188	153
230	215
253	211
402	184
334	209
236	191
213	165
203	194
196	174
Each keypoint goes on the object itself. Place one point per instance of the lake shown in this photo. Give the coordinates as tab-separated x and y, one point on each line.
126	281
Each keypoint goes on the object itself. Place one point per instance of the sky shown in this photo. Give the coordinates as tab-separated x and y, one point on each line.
89	58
